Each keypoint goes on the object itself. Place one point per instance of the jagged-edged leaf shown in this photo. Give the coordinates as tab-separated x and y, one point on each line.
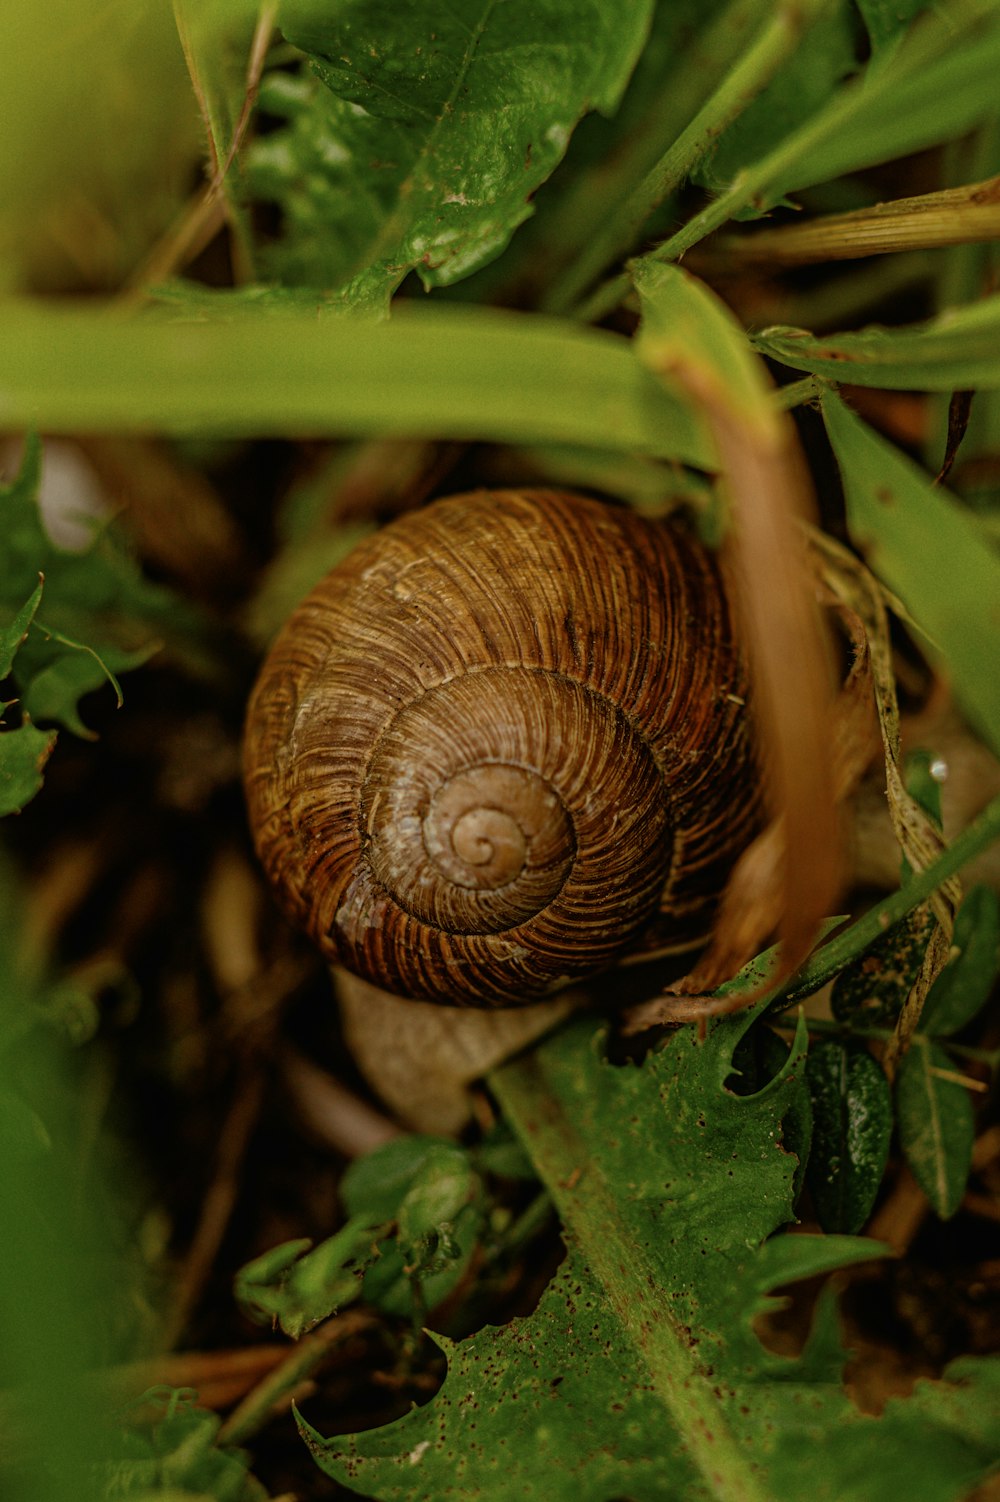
668	1184
23	754
852	1127
435	127
99	609
956	350
898	518
964	985
430	371
936	1128
55	690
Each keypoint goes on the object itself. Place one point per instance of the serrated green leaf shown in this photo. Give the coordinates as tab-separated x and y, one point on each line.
98	606
23	754
852	1128
936	1129
965	984
957	350
431	371
54	691
13	635
930	551
668	1184
438	127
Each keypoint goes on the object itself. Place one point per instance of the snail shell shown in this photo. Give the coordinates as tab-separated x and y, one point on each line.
499	739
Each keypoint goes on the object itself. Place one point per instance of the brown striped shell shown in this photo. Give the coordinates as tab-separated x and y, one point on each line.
496	741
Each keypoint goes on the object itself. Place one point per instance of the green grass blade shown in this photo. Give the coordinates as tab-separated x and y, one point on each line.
430	371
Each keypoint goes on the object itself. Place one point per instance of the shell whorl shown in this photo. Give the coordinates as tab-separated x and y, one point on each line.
492	744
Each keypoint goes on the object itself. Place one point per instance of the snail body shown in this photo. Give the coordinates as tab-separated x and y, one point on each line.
497	741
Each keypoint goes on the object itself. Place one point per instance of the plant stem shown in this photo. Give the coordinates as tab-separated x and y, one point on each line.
618	231
831	959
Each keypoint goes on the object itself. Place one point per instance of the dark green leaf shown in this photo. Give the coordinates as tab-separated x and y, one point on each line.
871	990
965	984
936	1128
13	635
438	127
957	350
23	754
852	1127
930	551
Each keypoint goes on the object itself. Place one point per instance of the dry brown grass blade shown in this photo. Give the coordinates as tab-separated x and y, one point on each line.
768	492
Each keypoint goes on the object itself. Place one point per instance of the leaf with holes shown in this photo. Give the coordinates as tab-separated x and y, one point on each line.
671	1187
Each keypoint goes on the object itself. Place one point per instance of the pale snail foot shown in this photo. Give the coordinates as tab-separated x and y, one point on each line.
436	1052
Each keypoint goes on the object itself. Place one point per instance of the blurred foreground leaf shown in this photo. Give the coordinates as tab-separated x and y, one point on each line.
234	367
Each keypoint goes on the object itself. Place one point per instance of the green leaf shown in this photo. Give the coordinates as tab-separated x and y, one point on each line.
98	607
54	691
930	551
965	984
429	1188
23	754
852	1128
872	989
888	20
957	350
936	1128
938	84
824	59
13	635
299	1287
178	1459
668	1184
431	371
439	126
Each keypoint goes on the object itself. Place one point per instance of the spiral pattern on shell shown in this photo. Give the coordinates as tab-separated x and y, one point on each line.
499	739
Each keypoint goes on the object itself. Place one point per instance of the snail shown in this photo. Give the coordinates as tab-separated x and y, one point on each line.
499	743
